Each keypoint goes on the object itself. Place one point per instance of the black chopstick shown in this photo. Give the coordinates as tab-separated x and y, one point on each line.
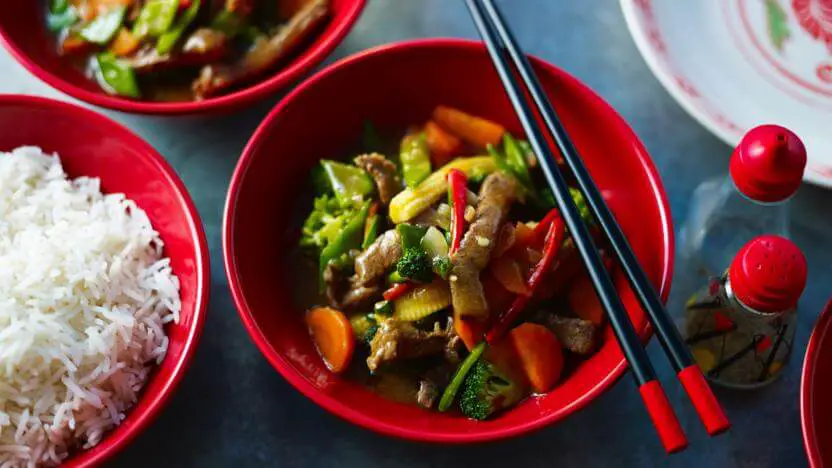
688	372
667	425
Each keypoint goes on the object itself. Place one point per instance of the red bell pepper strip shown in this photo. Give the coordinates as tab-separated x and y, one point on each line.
543	226
554	239
457	188
397	290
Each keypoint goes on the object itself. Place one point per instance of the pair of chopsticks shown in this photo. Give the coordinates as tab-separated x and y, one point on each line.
500	42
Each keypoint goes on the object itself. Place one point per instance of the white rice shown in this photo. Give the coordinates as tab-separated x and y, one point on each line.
84	296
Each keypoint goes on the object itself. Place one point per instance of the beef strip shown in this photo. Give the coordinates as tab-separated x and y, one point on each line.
495	198
375	260
396	340
203	46
384	174
427	394
341	293
265	53
575	334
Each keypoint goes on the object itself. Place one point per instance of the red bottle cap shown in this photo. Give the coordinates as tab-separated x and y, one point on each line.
768	274
767	165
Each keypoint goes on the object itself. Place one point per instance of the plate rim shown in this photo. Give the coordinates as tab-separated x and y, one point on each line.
661	72
807	381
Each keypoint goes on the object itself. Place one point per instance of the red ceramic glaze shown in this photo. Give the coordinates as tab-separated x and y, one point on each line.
395	86
768	274
768	163
24	34
92	145
815	388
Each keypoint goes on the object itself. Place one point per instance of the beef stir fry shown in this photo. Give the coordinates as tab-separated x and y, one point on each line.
173	50
445	265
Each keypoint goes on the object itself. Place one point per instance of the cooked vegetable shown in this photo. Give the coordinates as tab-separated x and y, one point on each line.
457	380
333	336
475	130
422	301
348	182
61	15
442	266
384	307
414	156
124	44
487	390
434	243
508	272
540	353
411	235
116	76
397	290
362	325
584	302
371	230
105	26
415	265
347	239
443	146
170	37
412	201
554	240
457	193
155	18
325	222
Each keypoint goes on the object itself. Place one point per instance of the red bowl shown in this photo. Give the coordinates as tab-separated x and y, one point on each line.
92	145
23	32
815	388
395	86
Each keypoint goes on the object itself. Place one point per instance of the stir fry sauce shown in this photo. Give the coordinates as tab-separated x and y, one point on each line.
424	248
181	50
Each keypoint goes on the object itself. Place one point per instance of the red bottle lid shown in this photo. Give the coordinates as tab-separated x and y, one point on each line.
767	165
768	274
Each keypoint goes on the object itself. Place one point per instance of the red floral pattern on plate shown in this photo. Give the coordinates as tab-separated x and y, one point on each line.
815	16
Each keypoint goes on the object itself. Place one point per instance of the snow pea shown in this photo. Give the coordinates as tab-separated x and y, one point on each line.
116	76
170	38
102	29
155	18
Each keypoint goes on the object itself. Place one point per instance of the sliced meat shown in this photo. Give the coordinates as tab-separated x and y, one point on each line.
380	256
203	46
428	394
264	54
575	334
341	293
384	174
396	340
495	198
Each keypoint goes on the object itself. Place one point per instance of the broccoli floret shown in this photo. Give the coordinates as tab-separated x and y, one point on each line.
442	266
325	222
415	265
486	391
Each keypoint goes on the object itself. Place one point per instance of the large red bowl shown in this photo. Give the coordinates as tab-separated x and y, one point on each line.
92	145
395	86
23	32
815	389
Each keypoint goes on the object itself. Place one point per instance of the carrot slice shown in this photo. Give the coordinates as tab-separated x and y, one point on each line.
125	43
475	130
75	45
469	331
540	355
510	274
443	146
332	334
584	301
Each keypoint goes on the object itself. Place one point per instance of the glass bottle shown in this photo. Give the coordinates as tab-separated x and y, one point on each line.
741	326
766	168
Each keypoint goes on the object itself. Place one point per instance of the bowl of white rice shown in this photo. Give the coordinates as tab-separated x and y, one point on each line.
103	284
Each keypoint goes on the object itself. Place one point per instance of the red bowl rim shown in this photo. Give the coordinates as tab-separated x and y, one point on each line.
111	445
304	62
351	414
807	381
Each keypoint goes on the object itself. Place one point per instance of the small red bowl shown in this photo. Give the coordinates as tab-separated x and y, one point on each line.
815	388
23	32
92	145
395	86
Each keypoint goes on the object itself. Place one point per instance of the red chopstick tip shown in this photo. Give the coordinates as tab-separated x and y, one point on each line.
664	419
704	401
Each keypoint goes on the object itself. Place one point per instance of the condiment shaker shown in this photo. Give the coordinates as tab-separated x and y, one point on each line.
740	327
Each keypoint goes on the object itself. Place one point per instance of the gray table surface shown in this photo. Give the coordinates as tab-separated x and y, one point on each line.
233	409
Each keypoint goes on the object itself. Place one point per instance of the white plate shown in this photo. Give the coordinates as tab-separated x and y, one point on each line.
734	64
